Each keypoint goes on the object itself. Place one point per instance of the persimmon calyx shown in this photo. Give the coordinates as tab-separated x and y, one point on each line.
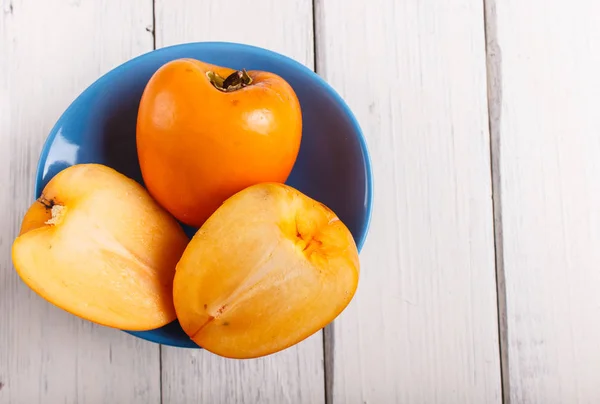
233	82
48	203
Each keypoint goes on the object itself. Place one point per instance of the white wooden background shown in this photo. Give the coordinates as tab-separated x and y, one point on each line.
481	272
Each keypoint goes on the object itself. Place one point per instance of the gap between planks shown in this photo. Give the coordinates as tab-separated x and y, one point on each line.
160	347
494	95
328	332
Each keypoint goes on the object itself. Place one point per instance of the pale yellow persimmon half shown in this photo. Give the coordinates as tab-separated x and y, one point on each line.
98	246
269	268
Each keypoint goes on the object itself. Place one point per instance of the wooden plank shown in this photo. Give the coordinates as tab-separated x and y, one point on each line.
284	27
51	50
423	325
547	57
296	374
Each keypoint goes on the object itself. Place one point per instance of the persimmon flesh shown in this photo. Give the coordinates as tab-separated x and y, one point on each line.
205	132
268	269
98	246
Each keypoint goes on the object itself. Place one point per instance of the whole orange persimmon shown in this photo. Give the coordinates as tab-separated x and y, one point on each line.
205	132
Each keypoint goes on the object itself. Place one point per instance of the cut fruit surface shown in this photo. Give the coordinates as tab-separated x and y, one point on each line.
268	269
98	246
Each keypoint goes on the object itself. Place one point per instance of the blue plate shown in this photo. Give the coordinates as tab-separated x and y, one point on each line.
333	165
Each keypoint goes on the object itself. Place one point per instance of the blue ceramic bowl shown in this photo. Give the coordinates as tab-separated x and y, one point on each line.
333	164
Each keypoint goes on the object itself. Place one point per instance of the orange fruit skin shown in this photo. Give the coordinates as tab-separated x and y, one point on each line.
198	145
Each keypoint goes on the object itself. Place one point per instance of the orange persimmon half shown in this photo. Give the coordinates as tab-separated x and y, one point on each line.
98	246
268	269
205	132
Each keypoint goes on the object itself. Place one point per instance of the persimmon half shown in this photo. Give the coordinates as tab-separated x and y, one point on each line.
268	269
97	245
205	132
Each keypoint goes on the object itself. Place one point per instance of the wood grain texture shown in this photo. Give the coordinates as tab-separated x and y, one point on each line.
282	26
49	52
423	325
547	60
295	375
